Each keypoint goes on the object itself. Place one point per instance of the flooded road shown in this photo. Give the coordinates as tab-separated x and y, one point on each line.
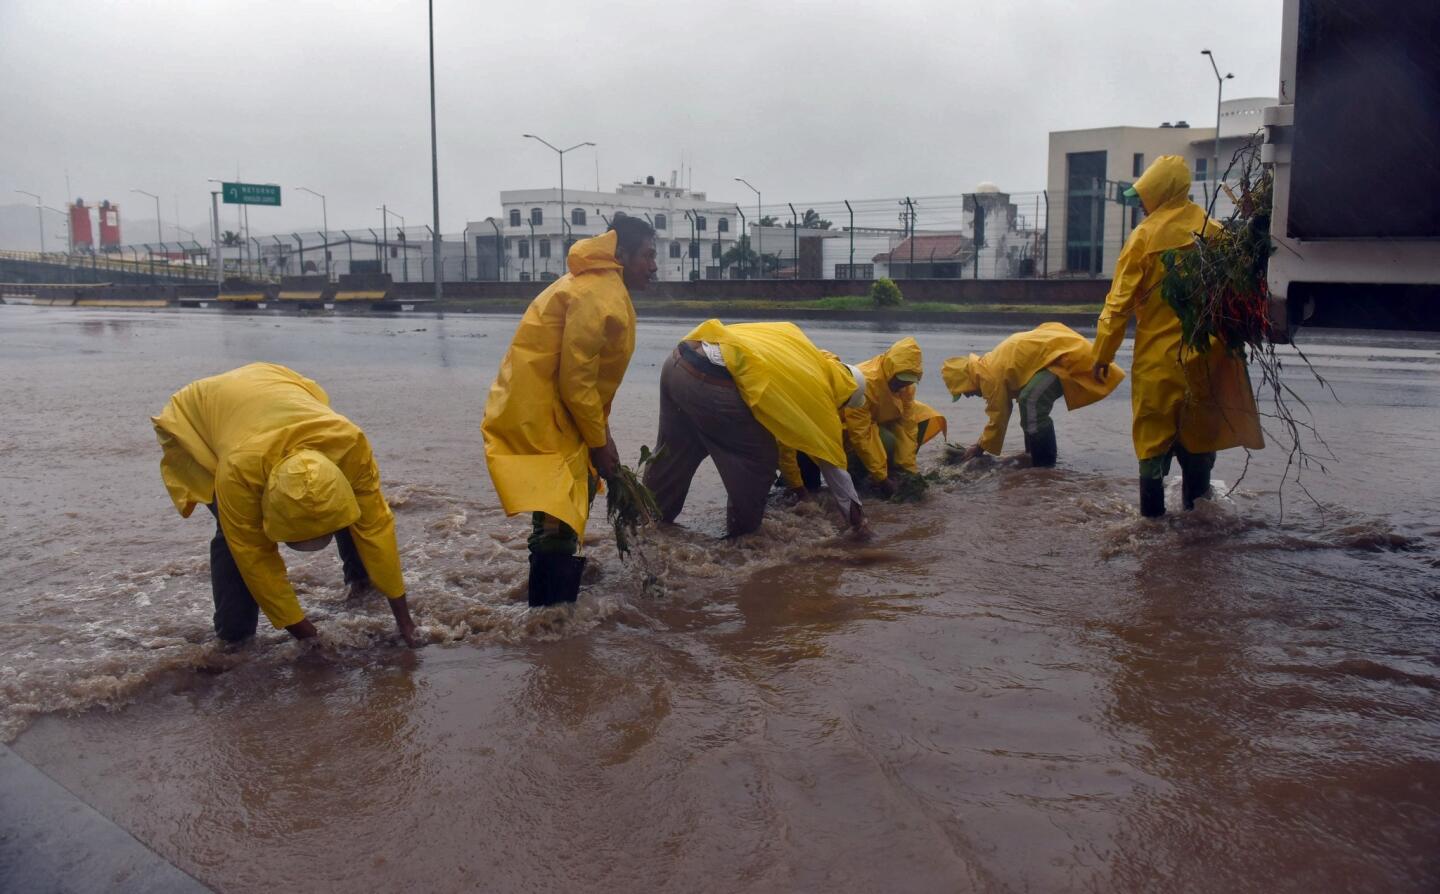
1019	685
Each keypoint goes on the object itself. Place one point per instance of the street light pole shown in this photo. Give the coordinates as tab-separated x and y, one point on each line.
759	232
438	265
1219	91
39	216
215	222
325	222
159	235
564	221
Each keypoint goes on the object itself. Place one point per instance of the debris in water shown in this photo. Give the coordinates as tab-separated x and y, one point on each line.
629	504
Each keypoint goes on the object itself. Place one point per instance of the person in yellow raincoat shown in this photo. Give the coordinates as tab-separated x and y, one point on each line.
1187	405
886	432
1035	369
743	395
547	419
260	446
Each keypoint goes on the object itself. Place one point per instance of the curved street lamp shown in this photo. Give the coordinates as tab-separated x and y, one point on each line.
1219	91
564	221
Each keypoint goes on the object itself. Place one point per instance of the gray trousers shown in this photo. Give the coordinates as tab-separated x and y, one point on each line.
702	414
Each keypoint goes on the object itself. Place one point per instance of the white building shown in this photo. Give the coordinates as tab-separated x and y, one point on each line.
1089	168
691	233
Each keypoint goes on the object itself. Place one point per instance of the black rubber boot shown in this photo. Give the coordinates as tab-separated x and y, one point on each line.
1043	448
1152	497
554	578
1194	485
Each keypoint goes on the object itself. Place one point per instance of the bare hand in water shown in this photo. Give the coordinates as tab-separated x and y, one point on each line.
971	452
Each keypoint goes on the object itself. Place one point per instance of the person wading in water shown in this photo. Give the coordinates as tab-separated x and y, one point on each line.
547	419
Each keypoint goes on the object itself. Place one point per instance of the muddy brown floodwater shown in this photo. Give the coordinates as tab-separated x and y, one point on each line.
1019	686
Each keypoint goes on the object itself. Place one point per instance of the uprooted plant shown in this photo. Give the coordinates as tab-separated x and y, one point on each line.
630	506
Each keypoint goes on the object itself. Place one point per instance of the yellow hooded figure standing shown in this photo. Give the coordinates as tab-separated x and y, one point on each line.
548	411
744	395
1187	405
1033	368
892	425
262	448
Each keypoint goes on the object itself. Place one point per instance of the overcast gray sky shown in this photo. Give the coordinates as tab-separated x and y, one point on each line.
810	101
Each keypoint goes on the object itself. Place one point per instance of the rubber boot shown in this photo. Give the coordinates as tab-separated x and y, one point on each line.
1043	448
1152	497
1194	485
554	578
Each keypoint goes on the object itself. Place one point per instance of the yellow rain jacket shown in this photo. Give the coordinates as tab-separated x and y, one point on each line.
1001	373
791	386
899	412
262	443
1203	399
551	400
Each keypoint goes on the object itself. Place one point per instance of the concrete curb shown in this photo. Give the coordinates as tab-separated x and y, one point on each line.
51	841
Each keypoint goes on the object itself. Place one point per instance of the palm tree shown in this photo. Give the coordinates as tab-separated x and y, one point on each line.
811	220
742	257
230	238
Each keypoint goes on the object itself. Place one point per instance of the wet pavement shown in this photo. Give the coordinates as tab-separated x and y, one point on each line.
1019	685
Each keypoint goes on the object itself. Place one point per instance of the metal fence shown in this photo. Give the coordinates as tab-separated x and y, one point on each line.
980	235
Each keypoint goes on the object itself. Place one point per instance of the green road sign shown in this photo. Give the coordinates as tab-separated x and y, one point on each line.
250	193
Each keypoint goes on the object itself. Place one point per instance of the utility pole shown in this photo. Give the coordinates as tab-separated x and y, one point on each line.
852	239
39	216
910	217
1219	92
439	268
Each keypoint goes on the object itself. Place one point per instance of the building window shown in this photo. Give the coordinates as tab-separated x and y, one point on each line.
524	275
724	224
544	248
657	193
1084	211
514	217
856	271
715	251
674	249
524	248
660	221
577	216
1202	169
537	217
694	249
547	276
699	222
1137	164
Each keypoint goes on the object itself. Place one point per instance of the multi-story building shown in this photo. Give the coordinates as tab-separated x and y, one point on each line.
692	234
1088	221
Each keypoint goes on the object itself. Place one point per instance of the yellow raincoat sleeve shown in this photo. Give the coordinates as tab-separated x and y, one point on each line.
1120	302
864	437
790	467
238	495
587	330
997	406
374	533
907	431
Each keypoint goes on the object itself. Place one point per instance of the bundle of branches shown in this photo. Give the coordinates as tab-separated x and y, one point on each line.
629	504
1218	287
